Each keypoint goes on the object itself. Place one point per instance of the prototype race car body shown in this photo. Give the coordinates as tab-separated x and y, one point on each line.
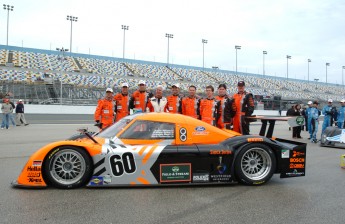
160	149
333	137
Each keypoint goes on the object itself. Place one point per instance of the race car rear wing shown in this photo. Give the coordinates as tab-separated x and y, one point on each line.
292	121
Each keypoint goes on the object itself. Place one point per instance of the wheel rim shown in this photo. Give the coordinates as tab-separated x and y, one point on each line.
256	163
67	167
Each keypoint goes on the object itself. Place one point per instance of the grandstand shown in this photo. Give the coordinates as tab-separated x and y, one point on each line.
43	76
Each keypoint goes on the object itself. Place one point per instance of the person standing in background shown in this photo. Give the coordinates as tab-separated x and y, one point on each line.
20	118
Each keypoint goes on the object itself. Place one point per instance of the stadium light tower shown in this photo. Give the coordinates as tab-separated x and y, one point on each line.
342	76
263	57
309	60
327	64
316	80
203	61
237	47
168	36
287	66
124	27
72	19
8	8
62	50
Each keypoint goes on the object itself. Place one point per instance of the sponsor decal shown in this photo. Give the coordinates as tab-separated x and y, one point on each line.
220	152
221	177
295	173
221	167
201	133
33	168
34	174
297	154
296	160
201	177
255	139
96	181
37	163
34	180
180	172
53	153
200	129
107	179
285	154
297	165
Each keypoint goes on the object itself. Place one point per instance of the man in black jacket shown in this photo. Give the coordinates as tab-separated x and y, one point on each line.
20	118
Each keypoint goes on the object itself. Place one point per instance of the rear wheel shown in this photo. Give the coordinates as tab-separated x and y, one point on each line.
68	167
255	164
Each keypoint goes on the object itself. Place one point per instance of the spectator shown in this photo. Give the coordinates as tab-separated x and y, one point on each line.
308	117
174	101
328	112
341	114
289	112
209	107
158	102
314	113
296	131
122	102
104	114
11	115
20	118
140	98
6	108
245	107
191	104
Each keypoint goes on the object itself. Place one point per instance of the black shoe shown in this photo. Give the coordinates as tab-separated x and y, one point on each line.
26	124
309	138
17	125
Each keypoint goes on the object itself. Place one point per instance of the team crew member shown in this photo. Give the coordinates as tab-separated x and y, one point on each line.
122	102
225	115
341	114
308	116
190	104
140	98
328	112
104	114
244	107
314	113
174	101
209	107
158	102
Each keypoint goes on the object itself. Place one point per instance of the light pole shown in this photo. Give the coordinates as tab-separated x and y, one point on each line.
237	48
309	60
168	35
342	76
8	8
72	19
62	50
287	66
124	27
203	61
327	64
263	59
316	80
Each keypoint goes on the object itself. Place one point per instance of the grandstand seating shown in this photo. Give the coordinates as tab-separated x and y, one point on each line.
92	71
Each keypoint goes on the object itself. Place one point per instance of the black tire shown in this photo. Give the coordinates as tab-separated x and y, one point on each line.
68	167
255	164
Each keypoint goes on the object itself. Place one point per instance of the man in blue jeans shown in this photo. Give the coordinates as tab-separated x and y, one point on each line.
308	116
327	111
341	114
6	109
314	113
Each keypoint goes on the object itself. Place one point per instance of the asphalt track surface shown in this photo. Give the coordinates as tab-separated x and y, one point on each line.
319	197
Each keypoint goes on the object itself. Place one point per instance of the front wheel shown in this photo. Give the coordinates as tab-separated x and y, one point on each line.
68	167
255	164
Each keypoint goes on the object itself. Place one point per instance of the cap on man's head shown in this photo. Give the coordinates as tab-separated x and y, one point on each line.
125	85
241	83
342	101
142	82
109	90
176	85
310	102
20	100
330	101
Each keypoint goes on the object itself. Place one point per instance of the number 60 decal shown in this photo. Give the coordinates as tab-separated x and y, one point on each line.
120	164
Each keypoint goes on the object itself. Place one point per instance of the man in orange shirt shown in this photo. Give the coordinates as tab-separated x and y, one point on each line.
244	107
174	100
122	102
104	114
140	98
227	108
209	107
190	104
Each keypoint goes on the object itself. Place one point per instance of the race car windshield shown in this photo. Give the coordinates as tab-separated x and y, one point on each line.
113	130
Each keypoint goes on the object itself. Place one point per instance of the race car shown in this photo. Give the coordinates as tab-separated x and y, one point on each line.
333	137
160	149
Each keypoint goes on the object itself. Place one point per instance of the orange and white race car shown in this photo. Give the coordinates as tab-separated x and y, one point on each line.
151	149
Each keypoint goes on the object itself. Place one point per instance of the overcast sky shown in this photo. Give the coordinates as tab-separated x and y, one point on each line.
303	29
